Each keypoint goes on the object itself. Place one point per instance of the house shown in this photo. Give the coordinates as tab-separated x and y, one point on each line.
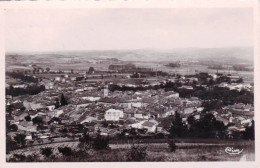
174	95
189	110
51	107
33	105
19	106
234	77
57	79
19	115
186	87
27	128
150	126
21	86
57	113
47	84
28	137
200	109
135	104
137	125
159	127
97	127
223	84
246	122
90	98
113	115
130	121
138	115
236	129
168	113
224	120
88	119
73	78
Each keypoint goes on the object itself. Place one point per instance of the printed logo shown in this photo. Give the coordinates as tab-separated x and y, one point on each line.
232	151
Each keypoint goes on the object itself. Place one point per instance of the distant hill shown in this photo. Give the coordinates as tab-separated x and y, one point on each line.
219	55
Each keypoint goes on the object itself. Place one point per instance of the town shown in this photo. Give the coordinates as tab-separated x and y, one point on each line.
125	102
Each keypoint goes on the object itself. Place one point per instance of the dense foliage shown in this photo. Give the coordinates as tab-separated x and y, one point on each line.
206	127
20	75
137	153
29	90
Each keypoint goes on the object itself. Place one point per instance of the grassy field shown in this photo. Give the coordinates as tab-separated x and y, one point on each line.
189	151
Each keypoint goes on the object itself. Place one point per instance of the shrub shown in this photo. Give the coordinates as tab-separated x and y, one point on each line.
20	139
17	158
23	158
13	127
10	144
28	118
172	145
85	142
137	153
37	120
46	151
66	151
101	143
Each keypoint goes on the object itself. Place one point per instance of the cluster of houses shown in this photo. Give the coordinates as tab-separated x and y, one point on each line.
90	103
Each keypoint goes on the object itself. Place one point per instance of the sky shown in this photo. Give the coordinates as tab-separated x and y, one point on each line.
108	29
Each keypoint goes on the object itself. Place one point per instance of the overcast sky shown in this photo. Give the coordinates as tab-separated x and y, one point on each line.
97	29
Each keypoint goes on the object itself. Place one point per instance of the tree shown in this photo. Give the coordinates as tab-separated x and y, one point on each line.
10	144
172	145
240	80
250	132
191	120
28	118
20	139
85	142
57	103
137	153
37	120
209	127
64	131
63	101
53	128
91	70
48	69
18	158
212	105
47	152
101	143
13	127
66	151
177	129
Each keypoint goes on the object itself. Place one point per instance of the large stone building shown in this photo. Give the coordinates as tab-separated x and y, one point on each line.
113	115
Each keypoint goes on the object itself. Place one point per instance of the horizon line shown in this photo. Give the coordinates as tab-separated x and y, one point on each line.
87	50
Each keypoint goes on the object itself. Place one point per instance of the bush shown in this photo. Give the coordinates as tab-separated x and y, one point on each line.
17	158
85	142
46	151
172	145
13	127
66	151
23	158
37	120
10	144
28	118
20	139
137	153
101	143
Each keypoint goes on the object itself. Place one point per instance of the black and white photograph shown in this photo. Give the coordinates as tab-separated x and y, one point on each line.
129	85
